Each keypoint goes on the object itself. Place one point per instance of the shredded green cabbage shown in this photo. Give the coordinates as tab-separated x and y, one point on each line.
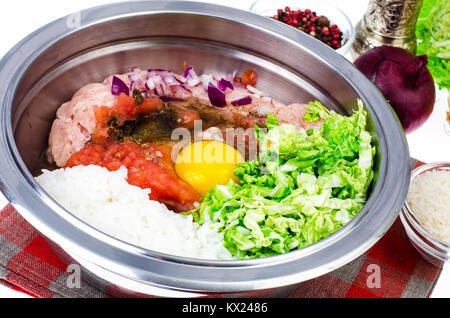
304	186
433	39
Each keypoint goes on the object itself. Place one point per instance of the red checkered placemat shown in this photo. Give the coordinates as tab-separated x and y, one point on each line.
392	268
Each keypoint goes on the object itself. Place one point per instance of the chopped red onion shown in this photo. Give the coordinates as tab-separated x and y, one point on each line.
150	85
181	83
133	86
186	71
170	80
224	84
254	90
216	97
136	81
134	77
157	85
206	79
242	101
155	71
118	86
161	87
191	77
231	77
185	88
180	79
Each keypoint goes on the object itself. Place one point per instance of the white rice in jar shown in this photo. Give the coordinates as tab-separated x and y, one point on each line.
429	201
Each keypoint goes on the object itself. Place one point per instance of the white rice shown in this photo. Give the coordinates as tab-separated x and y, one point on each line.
106	201
429	200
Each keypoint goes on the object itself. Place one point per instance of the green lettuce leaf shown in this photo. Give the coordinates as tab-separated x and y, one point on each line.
433	39
303	186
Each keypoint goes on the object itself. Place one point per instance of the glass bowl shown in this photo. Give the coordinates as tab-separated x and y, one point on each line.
429	246
336	16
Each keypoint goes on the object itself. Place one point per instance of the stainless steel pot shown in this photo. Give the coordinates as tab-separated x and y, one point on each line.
46	68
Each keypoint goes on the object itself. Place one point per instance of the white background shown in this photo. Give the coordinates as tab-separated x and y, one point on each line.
18	18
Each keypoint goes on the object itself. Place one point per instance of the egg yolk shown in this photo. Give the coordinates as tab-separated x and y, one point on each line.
204	164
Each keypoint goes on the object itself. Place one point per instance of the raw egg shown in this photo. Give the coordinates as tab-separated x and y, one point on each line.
203	164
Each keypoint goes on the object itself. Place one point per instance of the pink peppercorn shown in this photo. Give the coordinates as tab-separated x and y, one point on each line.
317	26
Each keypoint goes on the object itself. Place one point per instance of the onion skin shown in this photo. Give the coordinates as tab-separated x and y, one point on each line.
404	80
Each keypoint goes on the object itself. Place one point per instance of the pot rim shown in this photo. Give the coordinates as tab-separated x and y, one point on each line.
79	239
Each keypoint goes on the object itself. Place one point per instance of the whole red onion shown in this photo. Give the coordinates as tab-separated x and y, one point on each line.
404	80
